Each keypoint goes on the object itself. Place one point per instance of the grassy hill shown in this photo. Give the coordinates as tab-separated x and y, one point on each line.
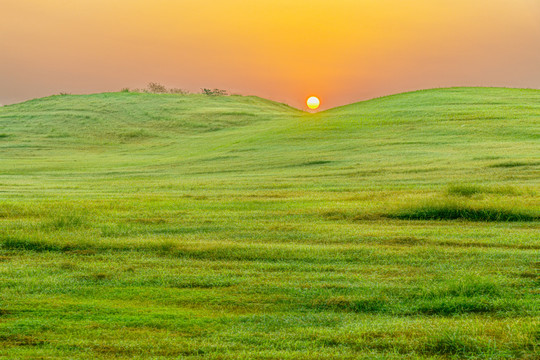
187	226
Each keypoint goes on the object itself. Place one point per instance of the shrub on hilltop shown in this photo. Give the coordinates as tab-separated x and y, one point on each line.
157	88
214	92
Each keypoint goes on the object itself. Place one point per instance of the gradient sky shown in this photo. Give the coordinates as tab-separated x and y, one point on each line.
340	50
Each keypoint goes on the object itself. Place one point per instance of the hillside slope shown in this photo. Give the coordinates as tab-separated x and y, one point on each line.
426	136
111	118
136	226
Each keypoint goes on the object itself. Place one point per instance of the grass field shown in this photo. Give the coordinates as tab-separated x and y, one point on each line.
144	226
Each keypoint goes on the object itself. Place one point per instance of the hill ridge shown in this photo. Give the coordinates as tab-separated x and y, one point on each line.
277	103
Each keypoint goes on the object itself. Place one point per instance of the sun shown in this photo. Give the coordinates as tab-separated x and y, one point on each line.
313	102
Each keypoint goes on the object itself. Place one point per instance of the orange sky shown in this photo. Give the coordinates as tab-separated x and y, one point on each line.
341	50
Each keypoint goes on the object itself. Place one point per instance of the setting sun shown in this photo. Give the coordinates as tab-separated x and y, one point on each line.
313	102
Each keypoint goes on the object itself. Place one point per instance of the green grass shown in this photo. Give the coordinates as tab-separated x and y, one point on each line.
185	226
448	210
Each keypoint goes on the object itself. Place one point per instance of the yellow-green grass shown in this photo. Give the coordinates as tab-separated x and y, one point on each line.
185	226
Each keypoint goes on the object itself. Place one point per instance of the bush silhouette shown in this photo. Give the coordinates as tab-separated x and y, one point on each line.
214	92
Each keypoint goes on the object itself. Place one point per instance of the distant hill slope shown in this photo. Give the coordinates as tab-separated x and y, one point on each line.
121	117
425	136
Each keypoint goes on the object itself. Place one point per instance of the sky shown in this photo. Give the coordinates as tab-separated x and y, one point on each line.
342	51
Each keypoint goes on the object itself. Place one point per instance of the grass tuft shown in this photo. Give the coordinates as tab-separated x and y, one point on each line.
15	243
513	164
20	340
201	283
468	190
316	162
12	243
452	343
341	303
466	287
65	222
67	265
462	211
96	277
451	306
464	190
135	134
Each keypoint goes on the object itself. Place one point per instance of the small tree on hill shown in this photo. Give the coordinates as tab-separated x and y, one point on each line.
214	92
179	91
156	88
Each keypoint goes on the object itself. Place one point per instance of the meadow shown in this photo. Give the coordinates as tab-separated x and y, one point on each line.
173	226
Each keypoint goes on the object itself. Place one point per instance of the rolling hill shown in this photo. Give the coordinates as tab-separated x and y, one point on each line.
140	225
481	134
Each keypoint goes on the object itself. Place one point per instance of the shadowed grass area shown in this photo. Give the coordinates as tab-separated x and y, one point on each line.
65	222
136	226
14	243
459	306
340	303
454	343
462	211
469	190
513	164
